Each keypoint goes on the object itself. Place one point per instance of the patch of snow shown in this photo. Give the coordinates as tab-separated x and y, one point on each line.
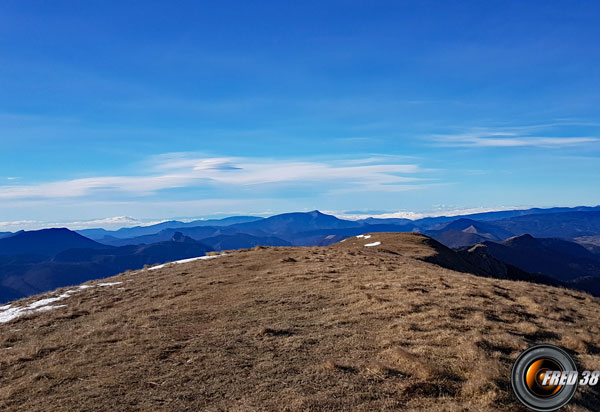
363	236
9	348
8	312
198	258
46	302
360	236
46	308
185	261
373	244
41	305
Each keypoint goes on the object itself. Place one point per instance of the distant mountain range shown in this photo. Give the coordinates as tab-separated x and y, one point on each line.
242	241
591	243
129	232
45	242
73	259
567	225
462	232
560	259
432	222
545	245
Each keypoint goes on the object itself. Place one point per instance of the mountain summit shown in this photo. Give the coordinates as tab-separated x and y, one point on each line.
290	223
47	242
368	324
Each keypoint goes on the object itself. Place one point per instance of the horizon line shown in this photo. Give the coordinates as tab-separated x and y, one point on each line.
123	222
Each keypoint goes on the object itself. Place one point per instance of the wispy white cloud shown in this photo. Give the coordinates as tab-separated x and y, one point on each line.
510	137
138	185
182	170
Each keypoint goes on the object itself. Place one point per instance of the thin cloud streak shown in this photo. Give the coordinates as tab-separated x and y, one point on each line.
172	171
496	141
138	185
520	136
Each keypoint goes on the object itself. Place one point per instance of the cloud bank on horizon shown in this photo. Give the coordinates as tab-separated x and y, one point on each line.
410	109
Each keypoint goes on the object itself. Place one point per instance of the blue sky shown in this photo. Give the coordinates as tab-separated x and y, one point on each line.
156	110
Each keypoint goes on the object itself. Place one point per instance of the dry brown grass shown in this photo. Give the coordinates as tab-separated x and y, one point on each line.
294	329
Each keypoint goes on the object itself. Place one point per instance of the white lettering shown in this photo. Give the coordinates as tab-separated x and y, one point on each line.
555	377
563	378
547	377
